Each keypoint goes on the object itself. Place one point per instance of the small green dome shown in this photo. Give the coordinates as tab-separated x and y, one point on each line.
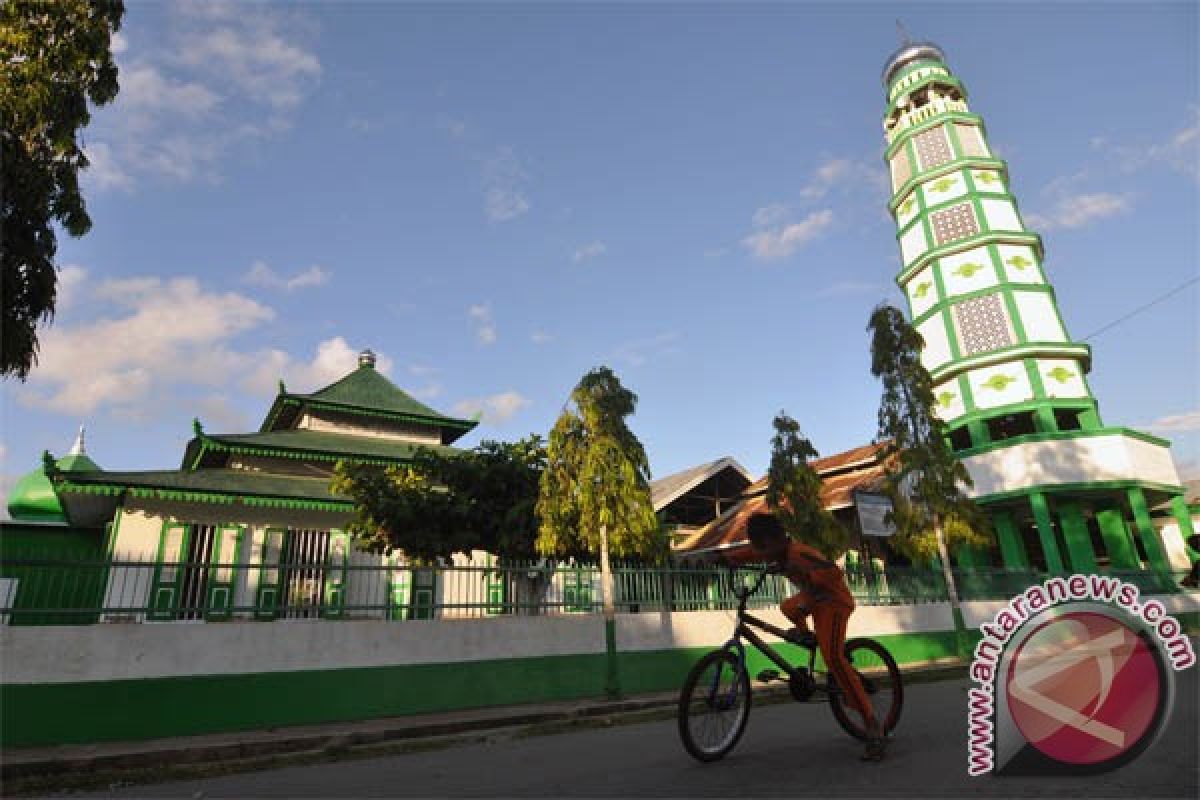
32	499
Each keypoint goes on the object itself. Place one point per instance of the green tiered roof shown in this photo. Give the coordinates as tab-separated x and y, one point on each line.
365	393
209	486
211	450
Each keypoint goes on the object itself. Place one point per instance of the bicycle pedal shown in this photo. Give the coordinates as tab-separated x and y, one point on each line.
768	675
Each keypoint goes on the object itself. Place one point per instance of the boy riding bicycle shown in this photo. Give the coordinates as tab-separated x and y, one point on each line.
824	596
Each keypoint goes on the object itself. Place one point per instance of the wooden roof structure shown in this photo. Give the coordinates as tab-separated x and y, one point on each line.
859	469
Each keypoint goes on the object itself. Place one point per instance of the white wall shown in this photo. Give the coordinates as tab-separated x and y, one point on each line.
394	431
1100	457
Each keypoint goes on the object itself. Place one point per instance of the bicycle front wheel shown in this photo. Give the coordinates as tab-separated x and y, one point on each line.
714	706
881	680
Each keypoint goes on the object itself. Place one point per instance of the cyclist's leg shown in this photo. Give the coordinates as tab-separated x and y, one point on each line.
797	609
830	622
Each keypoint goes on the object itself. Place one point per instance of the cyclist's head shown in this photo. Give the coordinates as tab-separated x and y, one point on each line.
766	534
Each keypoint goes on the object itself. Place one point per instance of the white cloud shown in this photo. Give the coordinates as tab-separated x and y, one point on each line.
145	90
540	337
495	409
118	44
772	215
842	173
1180	151
782	240
219	414
1187	421
485	327
217	77
251	51
334	359
589	251
640	351
504	180
1077	210
159	344
161	332
261	274
103	170
430	391
70	279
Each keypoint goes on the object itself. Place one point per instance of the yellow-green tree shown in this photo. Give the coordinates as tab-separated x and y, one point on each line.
597	477
794	491
925	482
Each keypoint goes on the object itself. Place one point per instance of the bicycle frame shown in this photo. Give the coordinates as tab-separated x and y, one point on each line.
745	629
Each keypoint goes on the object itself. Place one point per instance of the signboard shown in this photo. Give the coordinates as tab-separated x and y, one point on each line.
872	507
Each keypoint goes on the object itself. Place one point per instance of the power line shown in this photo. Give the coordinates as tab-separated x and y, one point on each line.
1142	308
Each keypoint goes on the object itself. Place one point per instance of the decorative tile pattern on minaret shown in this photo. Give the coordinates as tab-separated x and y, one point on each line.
972	272
1009	382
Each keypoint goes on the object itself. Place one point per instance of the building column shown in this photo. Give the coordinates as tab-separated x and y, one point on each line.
1012	549
1075	532
1156	554
979	433
1117	542
1183	515
1045	526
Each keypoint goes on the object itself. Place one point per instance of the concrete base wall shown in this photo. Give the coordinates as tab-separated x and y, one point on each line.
77	684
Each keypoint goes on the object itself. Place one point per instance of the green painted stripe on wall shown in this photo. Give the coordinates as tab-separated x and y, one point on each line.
46	714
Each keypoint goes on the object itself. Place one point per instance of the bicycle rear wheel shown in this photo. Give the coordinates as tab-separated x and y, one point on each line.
880	678
714	706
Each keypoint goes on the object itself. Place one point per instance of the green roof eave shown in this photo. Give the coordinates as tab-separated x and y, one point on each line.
308	446
462	426
225	486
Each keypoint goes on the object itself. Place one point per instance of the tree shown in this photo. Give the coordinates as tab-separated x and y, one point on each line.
794	491
924	480
56	57
442	503
597	478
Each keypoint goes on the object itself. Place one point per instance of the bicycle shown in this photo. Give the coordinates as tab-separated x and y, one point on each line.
714	705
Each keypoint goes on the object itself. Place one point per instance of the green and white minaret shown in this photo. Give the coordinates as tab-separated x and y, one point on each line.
1064	491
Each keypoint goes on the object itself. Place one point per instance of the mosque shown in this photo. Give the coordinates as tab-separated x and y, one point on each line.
1064	490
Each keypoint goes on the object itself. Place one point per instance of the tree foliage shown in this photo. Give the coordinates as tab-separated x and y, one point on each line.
55	57
441	504
597	474
794	491
924	479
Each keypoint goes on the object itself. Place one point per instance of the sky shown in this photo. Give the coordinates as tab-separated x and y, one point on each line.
498	198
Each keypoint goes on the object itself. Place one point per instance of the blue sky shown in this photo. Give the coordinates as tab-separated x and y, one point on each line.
498	198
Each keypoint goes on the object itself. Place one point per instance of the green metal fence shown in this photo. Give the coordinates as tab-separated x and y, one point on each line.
45	591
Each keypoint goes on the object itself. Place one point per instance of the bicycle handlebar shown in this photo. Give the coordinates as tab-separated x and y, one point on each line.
742	593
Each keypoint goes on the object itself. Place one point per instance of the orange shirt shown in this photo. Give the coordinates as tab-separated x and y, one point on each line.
808	569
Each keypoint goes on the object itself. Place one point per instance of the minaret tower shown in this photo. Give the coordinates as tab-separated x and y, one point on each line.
1064	491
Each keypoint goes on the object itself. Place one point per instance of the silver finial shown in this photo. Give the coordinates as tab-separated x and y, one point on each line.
366	359
902	32
78	448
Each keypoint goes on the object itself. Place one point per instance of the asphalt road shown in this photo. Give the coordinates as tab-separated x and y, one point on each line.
788	750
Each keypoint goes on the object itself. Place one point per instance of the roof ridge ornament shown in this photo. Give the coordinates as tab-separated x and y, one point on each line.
78	449
367	359
902	32
282	387
197	428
